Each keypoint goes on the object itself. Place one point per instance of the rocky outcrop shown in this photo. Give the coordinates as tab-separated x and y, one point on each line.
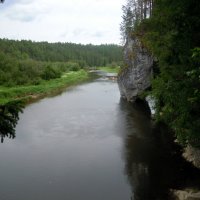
187	194
192	154
136	76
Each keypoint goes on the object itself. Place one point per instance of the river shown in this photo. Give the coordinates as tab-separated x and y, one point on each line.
85	144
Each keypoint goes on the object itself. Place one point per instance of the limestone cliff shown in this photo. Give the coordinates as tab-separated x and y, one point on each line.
135	77
192	154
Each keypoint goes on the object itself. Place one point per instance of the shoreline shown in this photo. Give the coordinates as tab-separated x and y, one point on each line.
31	93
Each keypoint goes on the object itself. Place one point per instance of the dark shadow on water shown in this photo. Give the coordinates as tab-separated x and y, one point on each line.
9	116
153	162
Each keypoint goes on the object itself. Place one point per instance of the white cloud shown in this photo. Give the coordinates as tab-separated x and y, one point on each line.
79	21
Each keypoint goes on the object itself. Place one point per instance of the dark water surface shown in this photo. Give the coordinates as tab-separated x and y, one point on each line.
87	144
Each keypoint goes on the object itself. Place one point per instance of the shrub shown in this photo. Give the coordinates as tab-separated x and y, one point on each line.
50	73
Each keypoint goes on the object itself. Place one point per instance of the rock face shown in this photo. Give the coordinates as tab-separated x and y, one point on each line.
135	77
186	195
192	154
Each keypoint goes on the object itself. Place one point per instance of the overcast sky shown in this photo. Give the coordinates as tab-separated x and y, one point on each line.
77	21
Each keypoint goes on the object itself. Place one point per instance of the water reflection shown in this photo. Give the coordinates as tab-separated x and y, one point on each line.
154	164
9	116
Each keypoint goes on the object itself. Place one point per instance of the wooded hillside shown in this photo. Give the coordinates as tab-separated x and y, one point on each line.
170	30
27	62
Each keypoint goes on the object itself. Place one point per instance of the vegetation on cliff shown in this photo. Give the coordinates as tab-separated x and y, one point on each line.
170	31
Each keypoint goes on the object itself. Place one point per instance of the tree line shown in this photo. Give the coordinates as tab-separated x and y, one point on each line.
169	30
27	62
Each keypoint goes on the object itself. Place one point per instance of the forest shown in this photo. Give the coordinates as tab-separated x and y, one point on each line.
27	62
169	30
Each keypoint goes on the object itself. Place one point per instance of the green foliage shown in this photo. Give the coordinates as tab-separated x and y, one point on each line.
29	92
50	73
84	55
73	66
134	12
9	116
28	63
171	35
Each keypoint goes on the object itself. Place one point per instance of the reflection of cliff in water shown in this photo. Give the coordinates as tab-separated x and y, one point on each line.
9	116
154	164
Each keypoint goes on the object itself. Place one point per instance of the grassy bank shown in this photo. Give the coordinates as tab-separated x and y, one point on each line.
110	69
31	92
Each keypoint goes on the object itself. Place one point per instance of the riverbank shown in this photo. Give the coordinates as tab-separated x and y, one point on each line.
33	92
110	69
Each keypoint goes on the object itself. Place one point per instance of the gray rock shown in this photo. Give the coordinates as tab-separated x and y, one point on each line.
135	78
186	194
192	155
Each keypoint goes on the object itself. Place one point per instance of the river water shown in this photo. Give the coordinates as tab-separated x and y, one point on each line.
85	144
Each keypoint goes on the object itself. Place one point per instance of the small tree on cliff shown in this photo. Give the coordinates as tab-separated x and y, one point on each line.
127	24
133	13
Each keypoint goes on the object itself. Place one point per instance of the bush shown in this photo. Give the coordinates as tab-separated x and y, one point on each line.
50	73
72	66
